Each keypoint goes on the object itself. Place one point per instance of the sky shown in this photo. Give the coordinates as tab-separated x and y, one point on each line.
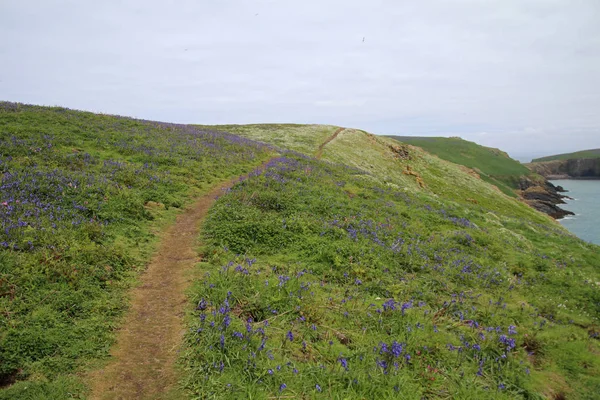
520	75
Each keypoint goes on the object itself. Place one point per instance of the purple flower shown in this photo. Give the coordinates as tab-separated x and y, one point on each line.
290	336
318	387
509	342
282	387
396	349
344	363
383	348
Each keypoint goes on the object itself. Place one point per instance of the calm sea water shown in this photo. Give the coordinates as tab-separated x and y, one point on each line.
586	206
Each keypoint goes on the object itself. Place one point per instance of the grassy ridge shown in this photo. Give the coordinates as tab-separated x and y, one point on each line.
493	165
394	164
81	198
593	153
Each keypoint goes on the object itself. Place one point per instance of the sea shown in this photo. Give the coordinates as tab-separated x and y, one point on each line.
586	206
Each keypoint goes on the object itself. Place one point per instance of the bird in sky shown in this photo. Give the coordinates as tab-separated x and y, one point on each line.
363	39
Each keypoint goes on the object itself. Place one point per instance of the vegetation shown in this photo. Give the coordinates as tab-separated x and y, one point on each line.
493	165
319	280
80	198
380	271
395	164
593	153
324	279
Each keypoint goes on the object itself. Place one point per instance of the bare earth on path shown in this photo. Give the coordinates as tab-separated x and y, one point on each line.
144	356
329	139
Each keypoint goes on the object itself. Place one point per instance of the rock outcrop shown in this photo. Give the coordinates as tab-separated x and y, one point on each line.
543	196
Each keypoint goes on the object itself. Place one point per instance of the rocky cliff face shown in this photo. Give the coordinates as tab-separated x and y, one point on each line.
580	168
543	196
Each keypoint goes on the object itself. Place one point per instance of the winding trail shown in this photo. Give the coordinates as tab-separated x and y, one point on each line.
329	139
143	365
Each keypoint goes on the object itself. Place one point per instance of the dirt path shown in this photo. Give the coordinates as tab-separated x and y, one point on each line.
146	348
329	139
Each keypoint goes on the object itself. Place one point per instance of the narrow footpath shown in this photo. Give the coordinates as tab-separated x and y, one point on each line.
329	139
143	358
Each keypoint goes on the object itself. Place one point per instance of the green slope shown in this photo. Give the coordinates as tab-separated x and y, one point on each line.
345	263
592	153
493	165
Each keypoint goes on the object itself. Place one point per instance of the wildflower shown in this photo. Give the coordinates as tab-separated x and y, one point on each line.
396	349
512	330
383	348
290	336
344	363
509	342
318	387
282	387
238	335
201	305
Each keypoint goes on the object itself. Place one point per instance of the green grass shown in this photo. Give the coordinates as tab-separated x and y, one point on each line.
445	181
316	248
593	153
493	165
82	197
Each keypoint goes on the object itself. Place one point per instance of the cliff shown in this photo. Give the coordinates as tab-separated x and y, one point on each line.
580	168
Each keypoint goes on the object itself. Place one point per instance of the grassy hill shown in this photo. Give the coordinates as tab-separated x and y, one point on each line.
593	153
377	271
493	165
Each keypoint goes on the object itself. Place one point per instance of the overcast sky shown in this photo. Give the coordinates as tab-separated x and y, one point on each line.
522	75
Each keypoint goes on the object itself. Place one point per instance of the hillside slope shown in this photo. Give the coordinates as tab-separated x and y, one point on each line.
493	165
397	164
496	167
398	273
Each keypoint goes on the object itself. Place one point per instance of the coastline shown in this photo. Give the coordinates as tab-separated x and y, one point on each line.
572	178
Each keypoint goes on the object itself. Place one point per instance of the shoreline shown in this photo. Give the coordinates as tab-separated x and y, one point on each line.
572	178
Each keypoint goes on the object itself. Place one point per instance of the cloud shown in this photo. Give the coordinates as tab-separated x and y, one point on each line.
431	68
